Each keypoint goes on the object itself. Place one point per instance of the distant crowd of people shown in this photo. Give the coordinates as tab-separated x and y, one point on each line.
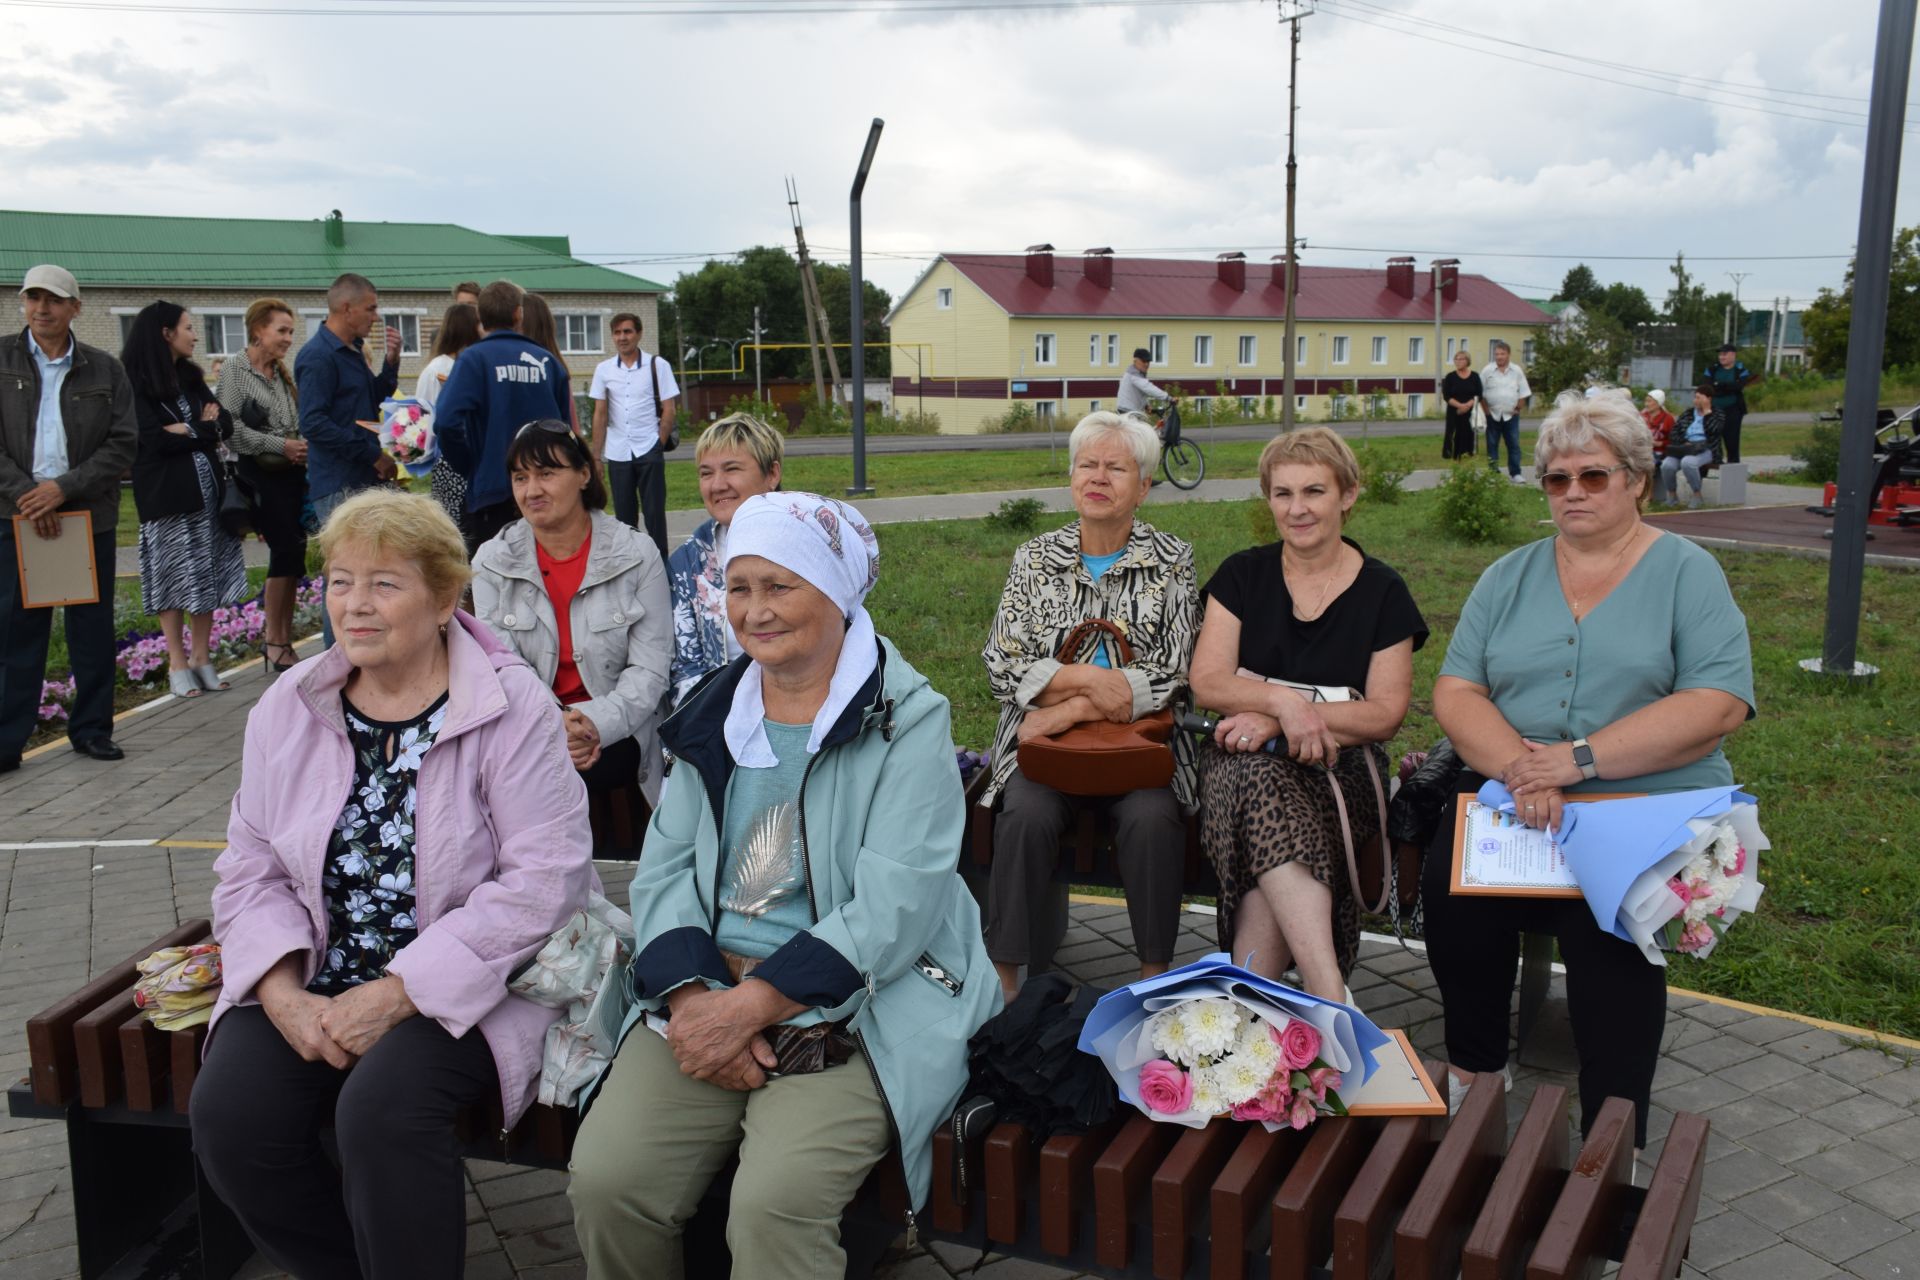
807	966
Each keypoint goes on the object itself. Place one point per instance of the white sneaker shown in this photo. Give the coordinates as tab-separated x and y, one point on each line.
1457	1088
1517	479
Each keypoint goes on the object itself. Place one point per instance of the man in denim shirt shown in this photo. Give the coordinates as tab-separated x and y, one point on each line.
337	393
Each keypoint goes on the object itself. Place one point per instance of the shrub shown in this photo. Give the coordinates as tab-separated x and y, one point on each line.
1017	515
765	410
827	419
1475	502
1380	475
914	422
1819	454
1018	418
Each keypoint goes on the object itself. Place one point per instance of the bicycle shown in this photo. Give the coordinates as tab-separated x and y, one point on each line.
1181	460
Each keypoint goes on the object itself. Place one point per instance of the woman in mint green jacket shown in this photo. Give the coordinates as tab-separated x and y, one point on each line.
808	964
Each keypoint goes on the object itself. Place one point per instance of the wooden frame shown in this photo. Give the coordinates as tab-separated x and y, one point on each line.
1435	1104
57	562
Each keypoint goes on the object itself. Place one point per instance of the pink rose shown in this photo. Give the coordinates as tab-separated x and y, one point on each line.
1257	1108
1299	1042
1302	1112
1165	1088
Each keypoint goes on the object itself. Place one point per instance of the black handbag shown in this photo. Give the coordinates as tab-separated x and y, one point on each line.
672	441
238	504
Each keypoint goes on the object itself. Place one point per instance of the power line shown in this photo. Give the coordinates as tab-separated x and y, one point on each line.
613	8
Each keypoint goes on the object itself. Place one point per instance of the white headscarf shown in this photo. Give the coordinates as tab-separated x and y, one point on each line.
832	547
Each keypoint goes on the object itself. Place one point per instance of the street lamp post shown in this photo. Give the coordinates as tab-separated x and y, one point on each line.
1291	11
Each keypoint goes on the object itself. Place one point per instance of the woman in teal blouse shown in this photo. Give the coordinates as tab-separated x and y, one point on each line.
1609	658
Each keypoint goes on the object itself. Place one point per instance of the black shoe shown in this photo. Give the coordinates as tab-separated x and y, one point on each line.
9	764
100	749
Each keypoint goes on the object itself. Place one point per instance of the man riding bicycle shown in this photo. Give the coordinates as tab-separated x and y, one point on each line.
1135	390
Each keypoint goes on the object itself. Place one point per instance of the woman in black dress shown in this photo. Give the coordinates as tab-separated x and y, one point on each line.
1462	391
1313	609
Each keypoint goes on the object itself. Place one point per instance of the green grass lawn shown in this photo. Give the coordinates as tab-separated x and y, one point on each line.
1836	936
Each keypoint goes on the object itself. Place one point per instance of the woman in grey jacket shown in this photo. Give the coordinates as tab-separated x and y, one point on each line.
583	599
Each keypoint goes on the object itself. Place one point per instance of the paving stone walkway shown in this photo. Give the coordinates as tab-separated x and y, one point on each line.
1814	1162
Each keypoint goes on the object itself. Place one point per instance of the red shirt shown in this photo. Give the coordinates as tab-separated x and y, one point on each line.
563	580
1659	422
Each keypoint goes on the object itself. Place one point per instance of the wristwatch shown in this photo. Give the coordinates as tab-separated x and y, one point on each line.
1583	756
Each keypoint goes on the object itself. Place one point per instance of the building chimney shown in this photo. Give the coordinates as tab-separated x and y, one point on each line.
1449	271
1098	264
1040	265
336	230
1278	280
1400	276
1232	270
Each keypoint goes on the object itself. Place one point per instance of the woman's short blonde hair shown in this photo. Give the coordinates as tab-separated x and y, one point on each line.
1577	424
747	433
1310	446
1134	430
409	525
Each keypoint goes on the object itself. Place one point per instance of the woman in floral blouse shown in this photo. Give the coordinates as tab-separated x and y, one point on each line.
1106	564
408	831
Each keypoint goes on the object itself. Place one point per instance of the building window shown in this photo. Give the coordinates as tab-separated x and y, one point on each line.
1377	406
1043	410
1113	348
313	321
1457	345
1202	350
1300	349
1203	405
1526	353
222	333
1379	350
1300	402
1249	350
409	328
1339	406
1341	348
1093	406
1416	405
1043	348
579	332
1249	405
943	299
1416	351
1093	350
126	327
1156	348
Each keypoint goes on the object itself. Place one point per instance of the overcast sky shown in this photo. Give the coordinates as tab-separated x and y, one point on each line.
1146	129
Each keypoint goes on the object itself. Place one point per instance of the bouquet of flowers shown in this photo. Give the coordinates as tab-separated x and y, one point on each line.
1665	872
406	433
1212	1040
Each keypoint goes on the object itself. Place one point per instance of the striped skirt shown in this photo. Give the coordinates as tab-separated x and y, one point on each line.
189	562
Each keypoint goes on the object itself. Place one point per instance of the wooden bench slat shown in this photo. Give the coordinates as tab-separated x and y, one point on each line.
96	1050
143	1060
1303	1207
1426	1245
1363	1224
1522	1193
1660	1238
1008	1160
1120	1175
1178	1185
1574	1242
183	1053
1065	1180
54	1067
1243	1190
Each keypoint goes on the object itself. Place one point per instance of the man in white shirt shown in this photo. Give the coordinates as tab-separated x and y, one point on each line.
634	402
1505	392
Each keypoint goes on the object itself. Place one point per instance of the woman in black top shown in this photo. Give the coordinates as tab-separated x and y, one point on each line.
1316	610
1462	390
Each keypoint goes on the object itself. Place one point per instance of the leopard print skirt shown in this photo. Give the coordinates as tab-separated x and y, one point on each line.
1260	811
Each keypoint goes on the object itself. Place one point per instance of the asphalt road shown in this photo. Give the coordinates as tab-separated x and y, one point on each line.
831	446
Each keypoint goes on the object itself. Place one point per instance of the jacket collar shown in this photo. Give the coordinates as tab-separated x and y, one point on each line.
474	693
695	732
1060	550
615	550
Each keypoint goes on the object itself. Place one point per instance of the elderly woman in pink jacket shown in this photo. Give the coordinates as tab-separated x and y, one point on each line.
409	830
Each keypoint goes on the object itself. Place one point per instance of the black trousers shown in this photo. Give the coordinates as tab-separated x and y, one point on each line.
640	493
1615	999
396	1207
1457	438
24	634
1730	430
1027	905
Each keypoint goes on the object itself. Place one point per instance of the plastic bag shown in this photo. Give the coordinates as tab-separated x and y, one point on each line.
581	970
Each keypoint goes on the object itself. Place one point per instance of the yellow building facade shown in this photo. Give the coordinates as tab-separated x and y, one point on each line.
983	334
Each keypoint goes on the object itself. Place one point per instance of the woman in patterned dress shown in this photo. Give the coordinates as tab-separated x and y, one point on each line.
1315	610
189	565
459	329
408	832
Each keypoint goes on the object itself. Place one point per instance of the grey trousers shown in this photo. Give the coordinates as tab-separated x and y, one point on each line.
1027	906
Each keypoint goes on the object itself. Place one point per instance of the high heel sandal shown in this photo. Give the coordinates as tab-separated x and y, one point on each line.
209	679
182	684
275	668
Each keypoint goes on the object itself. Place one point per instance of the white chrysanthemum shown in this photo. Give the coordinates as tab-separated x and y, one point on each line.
1207	1097
1239	1078
1170	1037
1257	1046
1211	1026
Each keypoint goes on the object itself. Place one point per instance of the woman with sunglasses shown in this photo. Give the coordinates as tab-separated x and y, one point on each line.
1609	658
583	599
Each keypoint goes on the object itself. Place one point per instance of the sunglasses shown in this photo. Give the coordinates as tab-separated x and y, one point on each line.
1592	479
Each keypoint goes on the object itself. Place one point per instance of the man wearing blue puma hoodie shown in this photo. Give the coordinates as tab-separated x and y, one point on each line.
497	386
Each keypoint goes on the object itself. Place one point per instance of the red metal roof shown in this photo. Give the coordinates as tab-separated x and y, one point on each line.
1176	288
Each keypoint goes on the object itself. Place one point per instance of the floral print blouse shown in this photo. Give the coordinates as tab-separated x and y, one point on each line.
369	873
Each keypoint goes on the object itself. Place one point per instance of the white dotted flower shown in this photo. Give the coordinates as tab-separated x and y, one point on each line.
1211	1026
1257	1046
1239	1078
1207	1096
1170	1037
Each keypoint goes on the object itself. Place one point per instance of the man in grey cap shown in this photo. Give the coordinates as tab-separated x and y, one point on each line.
66	437
1135	390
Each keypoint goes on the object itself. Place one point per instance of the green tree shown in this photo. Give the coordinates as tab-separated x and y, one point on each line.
1687	298
717	302
1578	285
1830	317
1628	304
836	295
1589	348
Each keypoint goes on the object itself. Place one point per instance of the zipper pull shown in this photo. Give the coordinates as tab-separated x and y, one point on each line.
913	1232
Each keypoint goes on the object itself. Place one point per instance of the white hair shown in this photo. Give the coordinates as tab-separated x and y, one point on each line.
1577	424
1134	430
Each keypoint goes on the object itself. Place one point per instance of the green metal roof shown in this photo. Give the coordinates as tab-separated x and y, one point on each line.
263	253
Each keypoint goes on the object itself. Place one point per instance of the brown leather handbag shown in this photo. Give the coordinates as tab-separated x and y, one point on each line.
1102	758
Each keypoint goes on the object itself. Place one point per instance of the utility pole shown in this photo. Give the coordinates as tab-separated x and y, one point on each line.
1734	323
807	306
759	392
1439	269
1773	321
1290	13
1866	342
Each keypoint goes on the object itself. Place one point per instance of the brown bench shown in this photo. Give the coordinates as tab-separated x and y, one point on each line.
122	1086
1352	1197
